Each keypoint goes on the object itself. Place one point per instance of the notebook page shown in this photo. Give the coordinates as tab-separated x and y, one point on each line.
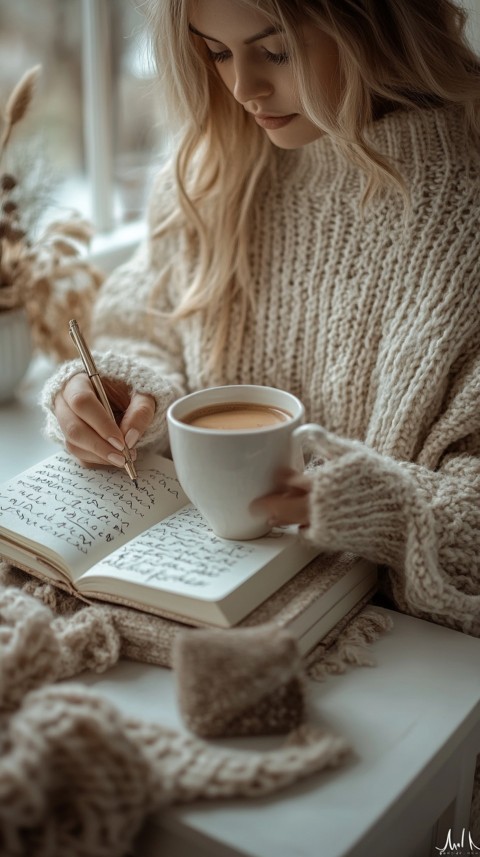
82	514
181	554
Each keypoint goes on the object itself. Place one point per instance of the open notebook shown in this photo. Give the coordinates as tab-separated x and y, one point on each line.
92	533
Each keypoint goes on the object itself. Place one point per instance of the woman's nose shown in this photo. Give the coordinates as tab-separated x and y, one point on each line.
250	83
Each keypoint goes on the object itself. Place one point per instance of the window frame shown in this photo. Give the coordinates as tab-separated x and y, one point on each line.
112	243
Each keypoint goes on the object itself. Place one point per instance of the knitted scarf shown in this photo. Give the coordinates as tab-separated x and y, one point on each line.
78	778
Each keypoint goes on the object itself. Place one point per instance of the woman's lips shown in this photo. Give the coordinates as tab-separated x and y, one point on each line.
271	123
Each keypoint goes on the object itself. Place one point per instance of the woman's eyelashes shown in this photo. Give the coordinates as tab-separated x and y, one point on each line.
222	56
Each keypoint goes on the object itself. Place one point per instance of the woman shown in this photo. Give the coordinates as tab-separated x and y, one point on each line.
319	233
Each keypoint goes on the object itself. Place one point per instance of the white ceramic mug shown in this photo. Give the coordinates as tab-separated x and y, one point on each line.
223	470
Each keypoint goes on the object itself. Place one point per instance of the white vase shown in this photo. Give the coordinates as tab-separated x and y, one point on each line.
15	350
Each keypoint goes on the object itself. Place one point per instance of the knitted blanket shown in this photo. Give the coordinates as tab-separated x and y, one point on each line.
78	778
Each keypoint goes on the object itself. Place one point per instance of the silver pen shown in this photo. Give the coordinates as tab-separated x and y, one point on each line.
95	380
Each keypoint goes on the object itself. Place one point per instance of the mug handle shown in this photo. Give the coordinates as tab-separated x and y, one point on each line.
301	436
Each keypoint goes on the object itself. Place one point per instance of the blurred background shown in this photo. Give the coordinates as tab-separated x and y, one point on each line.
60	36
53	33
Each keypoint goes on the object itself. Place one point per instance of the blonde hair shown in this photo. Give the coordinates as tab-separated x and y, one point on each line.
393	54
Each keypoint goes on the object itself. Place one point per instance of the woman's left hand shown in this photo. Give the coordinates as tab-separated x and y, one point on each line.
289	502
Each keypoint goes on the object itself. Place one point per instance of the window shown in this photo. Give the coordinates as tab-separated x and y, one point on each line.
97	115
473	30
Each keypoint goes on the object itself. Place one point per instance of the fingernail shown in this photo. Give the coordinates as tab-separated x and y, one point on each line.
131	437
118	460
113	441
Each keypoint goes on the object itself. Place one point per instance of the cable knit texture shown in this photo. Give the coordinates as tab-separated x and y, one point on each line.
76	777
374	322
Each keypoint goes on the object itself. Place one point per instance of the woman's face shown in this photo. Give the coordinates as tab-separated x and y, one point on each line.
251	60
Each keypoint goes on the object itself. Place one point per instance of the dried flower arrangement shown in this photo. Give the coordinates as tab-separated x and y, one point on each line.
41	269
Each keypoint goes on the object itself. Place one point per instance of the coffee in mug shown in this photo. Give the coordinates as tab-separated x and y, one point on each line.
236	416
223	468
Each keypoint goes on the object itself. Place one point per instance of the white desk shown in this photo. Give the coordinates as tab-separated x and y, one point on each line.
413	721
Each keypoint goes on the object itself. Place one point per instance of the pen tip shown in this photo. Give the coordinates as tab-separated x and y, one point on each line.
135	483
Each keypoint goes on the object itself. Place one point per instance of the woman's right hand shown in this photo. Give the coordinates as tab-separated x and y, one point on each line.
90	433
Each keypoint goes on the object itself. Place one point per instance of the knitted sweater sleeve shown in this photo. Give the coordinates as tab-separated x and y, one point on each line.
419	519
129	341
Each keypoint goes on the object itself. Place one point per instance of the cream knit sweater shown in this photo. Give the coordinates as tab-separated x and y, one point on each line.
374	324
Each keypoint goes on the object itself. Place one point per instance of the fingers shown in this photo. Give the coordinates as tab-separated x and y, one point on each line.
289	503
90	433
137	418
292	482
87	457
83	407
